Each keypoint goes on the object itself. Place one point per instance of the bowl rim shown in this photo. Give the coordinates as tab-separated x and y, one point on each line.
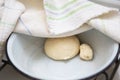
32	77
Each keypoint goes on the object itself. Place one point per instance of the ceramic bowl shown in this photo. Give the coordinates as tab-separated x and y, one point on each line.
26	53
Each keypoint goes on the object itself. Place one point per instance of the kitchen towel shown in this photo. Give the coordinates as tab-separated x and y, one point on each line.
10	12
68	15
108	24
56	18
38	20
33	21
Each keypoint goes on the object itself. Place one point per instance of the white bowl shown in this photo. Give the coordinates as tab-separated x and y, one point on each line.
27	55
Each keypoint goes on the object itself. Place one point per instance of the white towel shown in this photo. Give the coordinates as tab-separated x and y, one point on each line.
33	21
68	15
1	8
108	24
10	14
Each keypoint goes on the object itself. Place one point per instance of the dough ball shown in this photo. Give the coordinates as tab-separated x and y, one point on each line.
86	52
62	48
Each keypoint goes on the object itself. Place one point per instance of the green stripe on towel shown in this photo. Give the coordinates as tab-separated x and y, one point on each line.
55	8
71	13
6	23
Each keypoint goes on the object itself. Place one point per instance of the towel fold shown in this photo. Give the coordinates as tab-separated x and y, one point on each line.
10	14
64	16
56	18
109	24
33	21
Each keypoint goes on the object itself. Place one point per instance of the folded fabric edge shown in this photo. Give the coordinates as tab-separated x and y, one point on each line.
62	29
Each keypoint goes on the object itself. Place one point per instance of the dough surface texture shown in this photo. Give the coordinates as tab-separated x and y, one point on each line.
62	48
86	52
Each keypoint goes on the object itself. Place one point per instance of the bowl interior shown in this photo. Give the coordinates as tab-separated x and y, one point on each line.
27	54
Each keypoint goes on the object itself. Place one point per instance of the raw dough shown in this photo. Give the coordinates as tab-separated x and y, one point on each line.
86	52
62	48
